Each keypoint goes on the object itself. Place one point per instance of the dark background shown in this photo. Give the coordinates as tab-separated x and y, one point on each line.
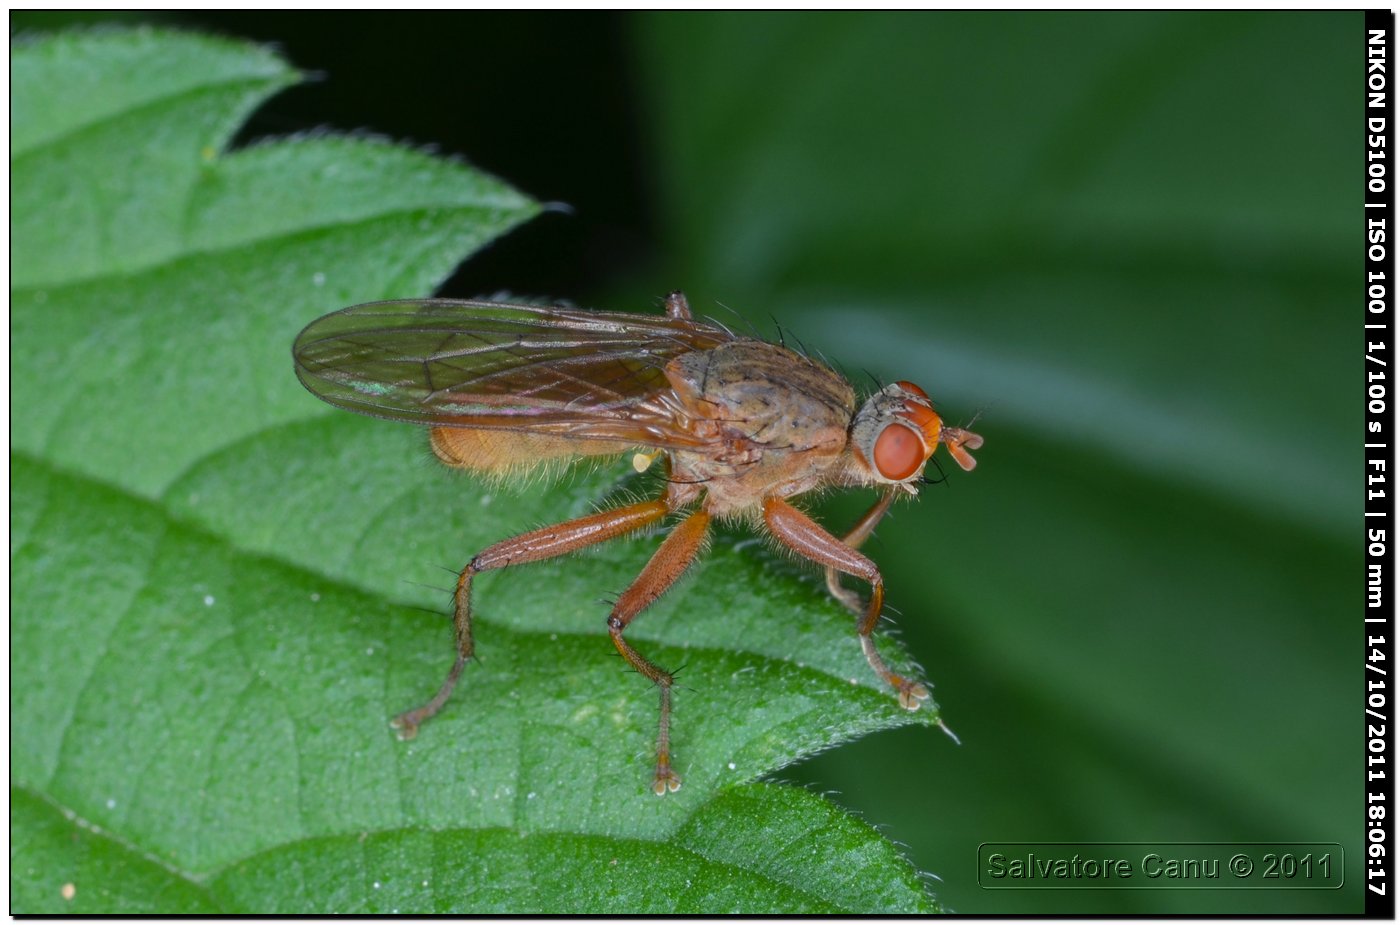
560	119
1129	240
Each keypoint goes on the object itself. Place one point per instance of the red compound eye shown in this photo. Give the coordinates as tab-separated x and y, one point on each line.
898	452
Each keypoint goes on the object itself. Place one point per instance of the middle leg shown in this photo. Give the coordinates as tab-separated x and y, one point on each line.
668	563
858	535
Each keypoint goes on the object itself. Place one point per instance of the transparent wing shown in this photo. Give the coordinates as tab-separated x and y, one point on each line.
491	365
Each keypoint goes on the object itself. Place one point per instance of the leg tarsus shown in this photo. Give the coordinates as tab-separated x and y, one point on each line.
666	780
407	722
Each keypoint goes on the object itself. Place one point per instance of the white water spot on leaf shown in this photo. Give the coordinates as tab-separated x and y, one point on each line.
585	712
318	279
208	600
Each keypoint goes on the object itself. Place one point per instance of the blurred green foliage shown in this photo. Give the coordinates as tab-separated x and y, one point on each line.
1130	242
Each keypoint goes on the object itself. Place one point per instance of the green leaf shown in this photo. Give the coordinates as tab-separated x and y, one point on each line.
153	266
221	592
52	851
1132	241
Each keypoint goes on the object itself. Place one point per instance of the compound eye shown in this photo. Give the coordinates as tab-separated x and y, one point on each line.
898	452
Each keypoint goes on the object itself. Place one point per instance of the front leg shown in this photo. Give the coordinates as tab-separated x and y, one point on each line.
858	535
809	539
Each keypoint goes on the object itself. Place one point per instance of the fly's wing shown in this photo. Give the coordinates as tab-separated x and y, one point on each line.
490	365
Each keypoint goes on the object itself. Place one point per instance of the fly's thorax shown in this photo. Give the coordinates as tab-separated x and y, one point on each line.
773	421
765	395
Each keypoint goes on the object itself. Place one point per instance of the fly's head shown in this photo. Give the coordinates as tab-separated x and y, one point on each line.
896	431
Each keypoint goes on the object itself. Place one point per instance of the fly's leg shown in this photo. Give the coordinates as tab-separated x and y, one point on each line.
858	535
809	539
545	543
677	306
668	563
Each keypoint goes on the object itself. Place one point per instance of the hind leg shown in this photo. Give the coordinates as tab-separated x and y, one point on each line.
545	543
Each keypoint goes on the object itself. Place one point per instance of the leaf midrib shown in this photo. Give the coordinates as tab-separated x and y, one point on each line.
233	248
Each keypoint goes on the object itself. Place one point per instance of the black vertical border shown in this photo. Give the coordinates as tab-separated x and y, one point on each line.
1380	810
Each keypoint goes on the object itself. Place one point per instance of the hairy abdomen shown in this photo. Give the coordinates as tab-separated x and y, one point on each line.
510	453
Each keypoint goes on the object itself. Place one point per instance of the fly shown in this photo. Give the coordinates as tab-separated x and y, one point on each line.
741	426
